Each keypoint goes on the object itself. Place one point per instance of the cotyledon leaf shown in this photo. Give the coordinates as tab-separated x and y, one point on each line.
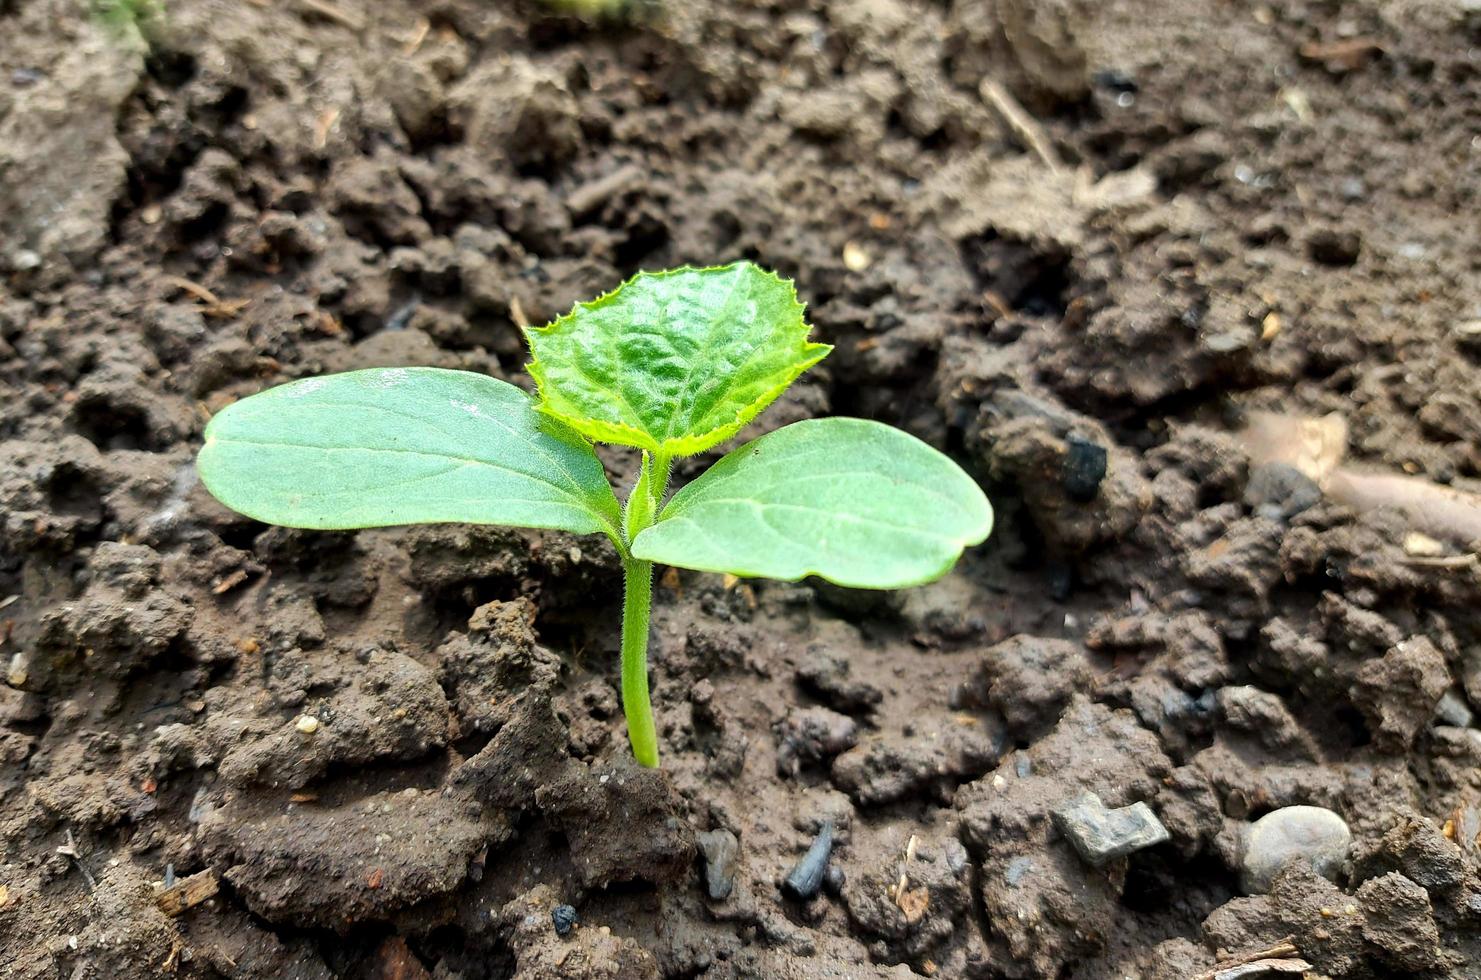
404	446
856	502
673	362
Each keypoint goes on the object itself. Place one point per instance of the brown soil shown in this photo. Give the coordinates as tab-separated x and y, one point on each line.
1254	207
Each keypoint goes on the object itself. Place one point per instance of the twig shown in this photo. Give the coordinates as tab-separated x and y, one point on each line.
230	582
1024	126
332	13
517	312
187	893
1446	562
1317	447
414	43
1441	511
195	289
324	126
69	849
1282	949
211	304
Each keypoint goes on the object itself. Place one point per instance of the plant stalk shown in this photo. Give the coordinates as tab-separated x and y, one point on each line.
637	605
637	608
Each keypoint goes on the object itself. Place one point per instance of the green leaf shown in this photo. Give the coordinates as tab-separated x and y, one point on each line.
640	504
404	446
673	362
855	502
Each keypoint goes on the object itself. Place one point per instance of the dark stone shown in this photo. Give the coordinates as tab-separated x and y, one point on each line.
1279	491
1115	80
565	918
806	876
719	848
1084	468
1101	835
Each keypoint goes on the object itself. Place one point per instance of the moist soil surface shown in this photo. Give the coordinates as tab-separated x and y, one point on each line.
1074	245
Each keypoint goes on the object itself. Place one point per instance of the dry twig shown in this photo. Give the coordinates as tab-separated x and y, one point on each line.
1024	126
1283	950
187	893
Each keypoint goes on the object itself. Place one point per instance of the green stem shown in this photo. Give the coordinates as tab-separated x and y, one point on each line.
637	608
637	604
662	466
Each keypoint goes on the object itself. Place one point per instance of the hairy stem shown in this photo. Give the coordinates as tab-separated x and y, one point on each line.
636	606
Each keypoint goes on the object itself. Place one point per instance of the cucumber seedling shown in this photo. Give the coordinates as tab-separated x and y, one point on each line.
672	363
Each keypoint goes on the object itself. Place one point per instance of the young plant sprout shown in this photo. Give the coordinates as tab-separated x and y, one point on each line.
672	363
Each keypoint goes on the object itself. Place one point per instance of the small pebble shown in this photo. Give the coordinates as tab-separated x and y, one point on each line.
855	259
1084	468
834	880
806	876
1115	79
1453	710
564	918
1279	491
1310	833
307	724
1420	545
719	848
1100	834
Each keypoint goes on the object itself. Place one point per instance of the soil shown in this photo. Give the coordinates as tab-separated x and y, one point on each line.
395	753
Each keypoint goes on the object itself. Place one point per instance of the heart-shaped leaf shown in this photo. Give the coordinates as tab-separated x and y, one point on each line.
404	446
856	502
673	362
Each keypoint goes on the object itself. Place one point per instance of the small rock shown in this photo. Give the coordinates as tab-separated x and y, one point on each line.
564	918
1453	710
1280	491
307	724
806	876
1100	834
1084	468
719	848
835	879
1420	545
1309	833
1467	334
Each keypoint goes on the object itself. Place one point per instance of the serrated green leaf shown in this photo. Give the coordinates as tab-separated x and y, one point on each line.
673	362
858	503
404	446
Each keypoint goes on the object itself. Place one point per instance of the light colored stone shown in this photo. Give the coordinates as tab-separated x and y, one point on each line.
1309	833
